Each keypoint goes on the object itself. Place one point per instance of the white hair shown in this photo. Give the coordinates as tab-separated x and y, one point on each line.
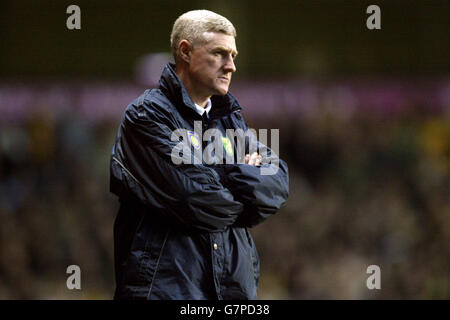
193	24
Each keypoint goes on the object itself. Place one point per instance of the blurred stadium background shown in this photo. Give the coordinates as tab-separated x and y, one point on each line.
364	126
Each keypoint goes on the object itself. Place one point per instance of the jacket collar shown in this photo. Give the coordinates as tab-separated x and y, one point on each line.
171	85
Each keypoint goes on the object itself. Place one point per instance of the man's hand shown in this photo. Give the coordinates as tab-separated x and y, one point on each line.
253	160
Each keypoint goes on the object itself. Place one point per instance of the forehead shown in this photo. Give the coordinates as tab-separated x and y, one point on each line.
218	39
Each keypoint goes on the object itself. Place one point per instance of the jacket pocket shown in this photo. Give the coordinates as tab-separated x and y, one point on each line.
144	255
254	258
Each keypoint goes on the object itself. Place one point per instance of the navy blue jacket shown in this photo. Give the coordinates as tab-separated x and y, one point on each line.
181	230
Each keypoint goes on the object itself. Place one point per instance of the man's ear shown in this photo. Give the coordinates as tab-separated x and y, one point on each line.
185	49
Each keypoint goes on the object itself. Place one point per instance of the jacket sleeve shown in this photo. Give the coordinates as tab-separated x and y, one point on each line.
142	167
263	190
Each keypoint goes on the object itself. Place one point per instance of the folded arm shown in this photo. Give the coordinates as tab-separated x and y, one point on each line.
261	184
142	167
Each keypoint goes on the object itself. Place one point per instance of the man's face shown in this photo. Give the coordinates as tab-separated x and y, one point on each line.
211	64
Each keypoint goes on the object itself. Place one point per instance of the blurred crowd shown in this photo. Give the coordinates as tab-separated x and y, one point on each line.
366	189
55	207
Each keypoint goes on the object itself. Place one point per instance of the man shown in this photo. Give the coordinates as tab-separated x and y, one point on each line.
181	230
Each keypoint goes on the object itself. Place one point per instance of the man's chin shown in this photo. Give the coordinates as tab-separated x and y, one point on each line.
221	91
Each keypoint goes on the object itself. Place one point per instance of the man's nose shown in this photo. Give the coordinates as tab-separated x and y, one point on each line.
229	64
